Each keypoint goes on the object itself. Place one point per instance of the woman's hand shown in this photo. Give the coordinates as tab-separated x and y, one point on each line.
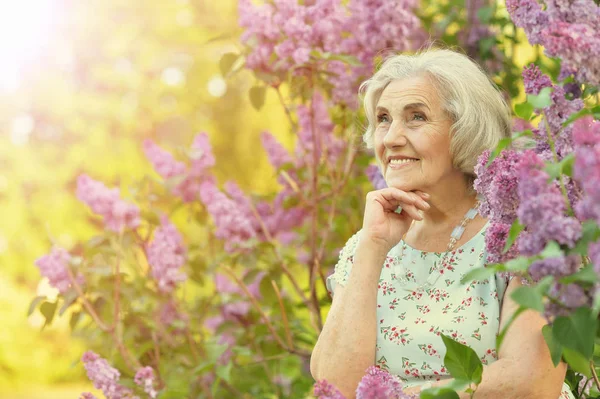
381	224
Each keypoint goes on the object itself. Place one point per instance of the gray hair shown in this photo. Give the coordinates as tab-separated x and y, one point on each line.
480	115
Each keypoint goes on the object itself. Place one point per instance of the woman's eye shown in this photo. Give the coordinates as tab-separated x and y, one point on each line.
382	118
418	117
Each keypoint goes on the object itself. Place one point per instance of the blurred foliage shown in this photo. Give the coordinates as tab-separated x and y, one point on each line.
114	73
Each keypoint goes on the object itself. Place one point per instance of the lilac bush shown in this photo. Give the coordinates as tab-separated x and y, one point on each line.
202	288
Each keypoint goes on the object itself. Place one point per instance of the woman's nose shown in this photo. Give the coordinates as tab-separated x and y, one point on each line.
395	136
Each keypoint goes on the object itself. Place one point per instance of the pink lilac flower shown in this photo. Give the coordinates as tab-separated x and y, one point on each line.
104	376
567	30
118	214
54	267
278	221
166	255
542	206
162	161
566	298
586	135
495	240
282	36
325	390
379	384
534	80
559	266
594	254
190	178
87	395
278	155
497	184
144	377
311	144
375	177
169	314
232	225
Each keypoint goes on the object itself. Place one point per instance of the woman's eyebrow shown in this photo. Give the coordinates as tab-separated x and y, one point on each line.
406	107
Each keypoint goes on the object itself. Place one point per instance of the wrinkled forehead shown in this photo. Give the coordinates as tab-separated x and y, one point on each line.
410	93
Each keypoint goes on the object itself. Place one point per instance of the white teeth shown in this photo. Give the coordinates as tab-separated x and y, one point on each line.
401	161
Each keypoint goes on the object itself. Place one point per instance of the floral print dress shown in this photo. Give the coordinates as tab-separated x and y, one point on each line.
410	318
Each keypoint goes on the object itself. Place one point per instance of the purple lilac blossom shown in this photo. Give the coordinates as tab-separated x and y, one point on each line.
375	177
278	155
169	315
166	255
567	30
559	267
495	240
566	298
54	267
145	379
312	144
162	161
325	390
542	205
104	376
87	395
283	35
118	214
594	254
497	184
232	224
189	178
586	136
379	384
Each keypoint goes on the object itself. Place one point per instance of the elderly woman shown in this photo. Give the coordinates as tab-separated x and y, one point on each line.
397	283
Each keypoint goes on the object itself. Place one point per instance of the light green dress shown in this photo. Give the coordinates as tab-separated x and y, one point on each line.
410	320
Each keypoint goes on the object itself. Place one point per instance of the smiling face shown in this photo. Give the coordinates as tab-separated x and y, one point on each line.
412	136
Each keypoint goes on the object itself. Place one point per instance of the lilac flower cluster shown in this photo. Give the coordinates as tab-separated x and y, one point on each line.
104	376
166	254
145	378
232	310
232	224
586	135
188	179
54	267
567	30
375	177
118	214
542	209
284	34
315	135
375	384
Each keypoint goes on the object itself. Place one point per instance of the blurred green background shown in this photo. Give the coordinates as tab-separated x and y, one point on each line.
81	85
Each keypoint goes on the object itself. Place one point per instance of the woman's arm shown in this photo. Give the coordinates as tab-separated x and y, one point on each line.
346	346
524	368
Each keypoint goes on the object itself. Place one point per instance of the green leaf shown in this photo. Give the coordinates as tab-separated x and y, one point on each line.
485	14
48	309
514	232
461	361
519	264
577	331
224	372
75	317
486	44
481	273
590	233
257	96
439	393
69	299
34	303
577	362
542	100
445	391
528	297
502	144
552	250
587	274
554	346
226	62
580	114
524	110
